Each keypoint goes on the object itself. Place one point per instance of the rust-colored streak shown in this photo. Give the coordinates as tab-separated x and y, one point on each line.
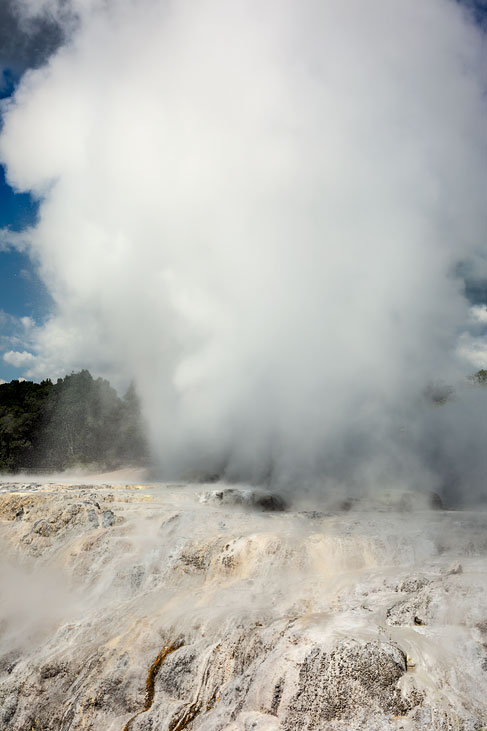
153	670
151	678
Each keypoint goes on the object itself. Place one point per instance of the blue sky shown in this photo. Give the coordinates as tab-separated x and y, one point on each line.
22	294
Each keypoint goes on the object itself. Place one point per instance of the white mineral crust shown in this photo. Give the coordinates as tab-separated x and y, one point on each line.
177	607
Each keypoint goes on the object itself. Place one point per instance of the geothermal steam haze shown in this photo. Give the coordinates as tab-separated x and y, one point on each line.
258	209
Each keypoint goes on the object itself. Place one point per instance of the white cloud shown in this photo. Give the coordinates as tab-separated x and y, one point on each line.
256	209
14	239
478	313
18	359
10	325
17	333
473	350
28	323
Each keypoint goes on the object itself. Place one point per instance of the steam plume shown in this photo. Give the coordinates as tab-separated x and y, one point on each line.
258	209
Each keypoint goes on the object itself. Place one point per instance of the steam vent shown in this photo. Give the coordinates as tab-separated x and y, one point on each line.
209	607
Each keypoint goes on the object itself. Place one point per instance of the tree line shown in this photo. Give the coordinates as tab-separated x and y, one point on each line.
79	420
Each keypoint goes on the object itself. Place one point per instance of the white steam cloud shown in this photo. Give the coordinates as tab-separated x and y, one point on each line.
258	209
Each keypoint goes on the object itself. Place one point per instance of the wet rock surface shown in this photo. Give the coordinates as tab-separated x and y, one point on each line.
253	498
151	607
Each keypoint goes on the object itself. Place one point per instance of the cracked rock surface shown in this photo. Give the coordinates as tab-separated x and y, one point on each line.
144	607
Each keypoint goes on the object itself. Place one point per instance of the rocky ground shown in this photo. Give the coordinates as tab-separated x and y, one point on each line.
143	607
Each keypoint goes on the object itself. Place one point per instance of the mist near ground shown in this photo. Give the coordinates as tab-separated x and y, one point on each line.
260	211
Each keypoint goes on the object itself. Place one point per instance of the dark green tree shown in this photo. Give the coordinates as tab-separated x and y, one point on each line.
22	405
77	421
480	377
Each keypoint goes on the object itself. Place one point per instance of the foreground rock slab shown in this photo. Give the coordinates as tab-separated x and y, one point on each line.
144	607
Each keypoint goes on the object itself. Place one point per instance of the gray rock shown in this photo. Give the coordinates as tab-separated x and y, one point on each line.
351	682
255	498
108	518
93	518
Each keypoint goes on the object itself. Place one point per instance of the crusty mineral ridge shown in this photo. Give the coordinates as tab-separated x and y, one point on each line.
178	607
